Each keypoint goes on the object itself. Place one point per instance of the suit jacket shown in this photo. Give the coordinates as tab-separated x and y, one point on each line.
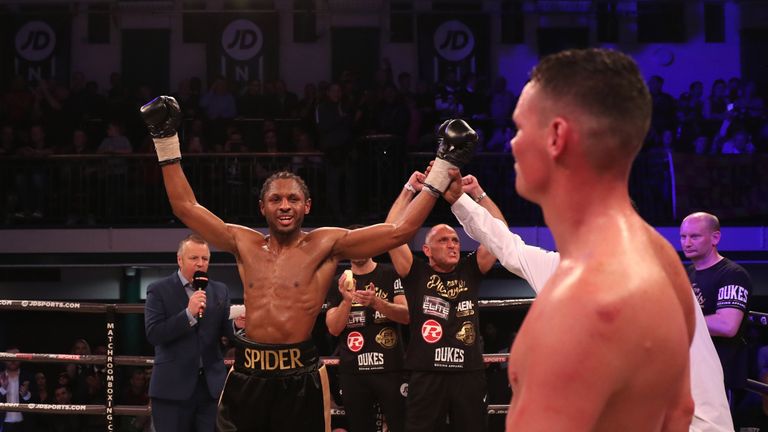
23	376
179	347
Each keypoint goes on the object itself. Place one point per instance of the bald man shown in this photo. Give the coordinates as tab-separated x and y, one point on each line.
722	288
444	353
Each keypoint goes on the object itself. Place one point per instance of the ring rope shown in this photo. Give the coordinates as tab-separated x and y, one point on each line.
149	361
140	410
137	308
110	309
755	317
132	410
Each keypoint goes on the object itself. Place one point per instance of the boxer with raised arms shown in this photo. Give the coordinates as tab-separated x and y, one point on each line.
276	383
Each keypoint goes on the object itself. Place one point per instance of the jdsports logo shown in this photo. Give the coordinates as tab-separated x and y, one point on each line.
50	407
436	307
35	41
355	341
453	40
387	338
467	333
282	359
431	331
242	39
50	304
465	308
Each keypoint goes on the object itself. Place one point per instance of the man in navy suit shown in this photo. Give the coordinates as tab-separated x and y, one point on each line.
189	371
15	387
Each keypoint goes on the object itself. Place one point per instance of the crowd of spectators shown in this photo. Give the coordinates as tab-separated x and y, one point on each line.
83	384
325	124
45	117
731	119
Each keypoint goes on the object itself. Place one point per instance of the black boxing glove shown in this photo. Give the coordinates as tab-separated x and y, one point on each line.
456	145
162	116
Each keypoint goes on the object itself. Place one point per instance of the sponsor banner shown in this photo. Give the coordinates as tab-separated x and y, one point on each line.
41	47
453	42
32	407
243	47
45	304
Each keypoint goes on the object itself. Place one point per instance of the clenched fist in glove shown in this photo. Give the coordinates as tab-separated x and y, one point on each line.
456	145
162	116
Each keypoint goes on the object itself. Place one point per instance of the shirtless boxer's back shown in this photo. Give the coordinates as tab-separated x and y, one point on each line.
605	345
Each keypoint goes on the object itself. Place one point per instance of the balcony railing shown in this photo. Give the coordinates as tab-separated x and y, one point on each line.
128	190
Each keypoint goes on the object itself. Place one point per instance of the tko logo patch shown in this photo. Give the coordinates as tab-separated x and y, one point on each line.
355	341
431	331
282	359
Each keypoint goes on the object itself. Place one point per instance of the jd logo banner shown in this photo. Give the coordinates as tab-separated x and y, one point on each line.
41	47
242	39
35	41
243	47
454	41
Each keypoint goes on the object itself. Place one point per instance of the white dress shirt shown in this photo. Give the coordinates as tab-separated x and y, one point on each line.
536	265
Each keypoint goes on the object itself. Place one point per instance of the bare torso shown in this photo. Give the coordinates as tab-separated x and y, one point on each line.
605	345
283	288
286	276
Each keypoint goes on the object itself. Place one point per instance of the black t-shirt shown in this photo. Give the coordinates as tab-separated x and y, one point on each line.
443	317
726	285
370	342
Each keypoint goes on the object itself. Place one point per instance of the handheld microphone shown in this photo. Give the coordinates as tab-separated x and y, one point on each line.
200	282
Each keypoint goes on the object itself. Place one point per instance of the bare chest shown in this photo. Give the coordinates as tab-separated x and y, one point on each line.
288	275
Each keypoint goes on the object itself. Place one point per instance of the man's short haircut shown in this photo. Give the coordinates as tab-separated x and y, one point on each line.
431	233
194	238
284	175
608	86
713	223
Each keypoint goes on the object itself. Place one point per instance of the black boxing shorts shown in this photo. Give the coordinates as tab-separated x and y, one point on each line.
274	387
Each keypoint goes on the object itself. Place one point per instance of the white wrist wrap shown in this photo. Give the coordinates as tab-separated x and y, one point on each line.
167	149
438	176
